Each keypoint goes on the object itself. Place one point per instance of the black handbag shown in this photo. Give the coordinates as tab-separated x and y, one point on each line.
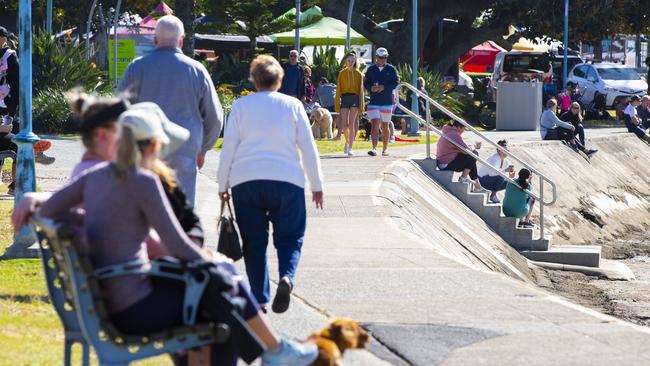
229	243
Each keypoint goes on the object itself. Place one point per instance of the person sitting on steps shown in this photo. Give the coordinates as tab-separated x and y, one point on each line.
450	157
552	128
632	120
574	117
488	176
518	201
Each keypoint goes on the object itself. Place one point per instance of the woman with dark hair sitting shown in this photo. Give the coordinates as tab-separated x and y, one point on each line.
518	201
451	157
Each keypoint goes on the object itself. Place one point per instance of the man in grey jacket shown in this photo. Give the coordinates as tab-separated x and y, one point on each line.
184	90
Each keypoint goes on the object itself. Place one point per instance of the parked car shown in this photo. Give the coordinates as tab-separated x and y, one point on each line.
558	60
522	65
613	80
515	66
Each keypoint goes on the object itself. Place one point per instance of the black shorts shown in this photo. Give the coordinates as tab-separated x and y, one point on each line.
349	100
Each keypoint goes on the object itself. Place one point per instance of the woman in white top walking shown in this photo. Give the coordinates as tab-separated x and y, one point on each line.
260	163
488	176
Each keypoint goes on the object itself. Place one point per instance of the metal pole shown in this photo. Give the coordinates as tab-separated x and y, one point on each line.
48	17
297	41
566	43
116	17
90	18
413	124
541	208
428	130
25	171
347	37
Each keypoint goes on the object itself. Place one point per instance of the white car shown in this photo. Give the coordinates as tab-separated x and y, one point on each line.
613	80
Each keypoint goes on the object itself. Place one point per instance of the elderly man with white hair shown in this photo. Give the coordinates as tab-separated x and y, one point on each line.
184	90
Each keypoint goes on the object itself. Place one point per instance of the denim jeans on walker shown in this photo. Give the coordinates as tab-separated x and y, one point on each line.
282	204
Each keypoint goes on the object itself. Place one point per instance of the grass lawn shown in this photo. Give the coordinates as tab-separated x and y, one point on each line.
30	330
328	147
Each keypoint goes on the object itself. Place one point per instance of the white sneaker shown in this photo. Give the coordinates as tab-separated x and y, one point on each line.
346	148
465	180
350	152
291	354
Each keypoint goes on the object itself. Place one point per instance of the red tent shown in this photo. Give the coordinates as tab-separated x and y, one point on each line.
150	20
480	58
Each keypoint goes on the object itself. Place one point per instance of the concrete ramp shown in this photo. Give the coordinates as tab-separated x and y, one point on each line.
447	224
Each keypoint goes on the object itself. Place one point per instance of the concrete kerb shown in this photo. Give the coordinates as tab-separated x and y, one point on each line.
609	269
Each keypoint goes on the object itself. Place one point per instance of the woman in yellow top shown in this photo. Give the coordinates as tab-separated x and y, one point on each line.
349	99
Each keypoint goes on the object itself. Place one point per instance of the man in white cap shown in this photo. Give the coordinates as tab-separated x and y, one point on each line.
380	81
183	89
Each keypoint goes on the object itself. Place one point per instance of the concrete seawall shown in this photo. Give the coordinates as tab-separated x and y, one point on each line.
614	185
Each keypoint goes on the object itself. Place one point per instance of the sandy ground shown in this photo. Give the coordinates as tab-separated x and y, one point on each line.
628	300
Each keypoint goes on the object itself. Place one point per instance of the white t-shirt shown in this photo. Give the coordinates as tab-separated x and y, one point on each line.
631	111
266	136
496	162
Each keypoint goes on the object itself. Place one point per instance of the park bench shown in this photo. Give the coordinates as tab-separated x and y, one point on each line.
75	292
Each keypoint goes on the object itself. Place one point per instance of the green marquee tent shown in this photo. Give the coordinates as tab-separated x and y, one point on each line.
325	31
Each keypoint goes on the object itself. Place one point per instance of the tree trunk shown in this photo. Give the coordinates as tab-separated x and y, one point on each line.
637	48
185	12
102	41
253	39
598	51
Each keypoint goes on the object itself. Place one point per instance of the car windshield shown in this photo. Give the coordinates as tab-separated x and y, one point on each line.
618	73
557	64
519	63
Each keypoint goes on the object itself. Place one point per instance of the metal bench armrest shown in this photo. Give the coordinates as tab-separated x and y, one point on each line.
195	281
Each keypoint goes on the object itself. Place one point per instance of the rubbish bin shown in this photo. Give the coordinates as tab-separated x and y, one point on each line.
519	105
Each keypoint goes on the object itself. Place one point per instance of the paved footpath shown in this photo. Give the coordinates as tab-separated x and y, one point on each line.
422	307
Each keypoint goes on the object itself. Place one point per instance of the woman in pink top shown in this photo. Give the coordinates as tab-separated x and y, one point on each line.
450	157
564	98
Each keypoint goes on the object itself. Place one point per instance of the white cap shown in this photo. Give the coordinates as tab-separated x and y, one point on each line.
148	121
381	52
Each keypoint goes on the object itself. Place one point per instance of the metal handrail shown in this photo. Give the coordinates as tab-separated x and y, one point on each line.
429	126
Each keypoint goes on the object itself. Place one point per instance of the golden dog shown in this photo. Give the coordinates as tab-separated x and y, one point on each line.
342	334
321	123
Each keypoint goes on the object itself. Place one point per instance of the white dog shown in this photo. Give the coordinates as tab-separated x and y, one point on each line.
321	123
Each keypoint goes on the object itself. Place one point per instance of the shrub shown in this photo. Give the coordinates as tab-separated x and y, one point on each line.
324	63
50	112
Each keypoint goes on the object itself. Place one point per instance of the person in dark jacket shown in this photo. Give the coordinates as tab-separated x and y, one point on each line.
644	111
293	83
9	126
574	117
422	104
380	81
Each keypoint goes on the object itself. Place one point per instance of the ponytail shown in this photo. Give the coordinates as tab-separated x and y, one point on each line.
128	153
165	173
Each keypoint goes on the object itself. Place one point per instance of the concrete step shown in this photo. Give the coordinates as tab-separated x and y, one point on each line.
490	213
588	256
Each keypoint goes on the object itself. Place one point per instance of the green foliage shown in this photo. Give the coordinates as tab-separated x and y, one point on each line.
64	65
57	68
434	85
251	18
227	70
324	63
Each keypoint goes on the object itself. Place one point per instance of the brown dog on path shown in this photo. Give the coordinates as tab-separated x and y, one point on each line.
340	335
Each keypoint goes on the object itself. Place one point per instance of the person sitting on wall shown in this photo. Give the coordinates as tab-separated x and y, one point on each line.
632	120
552	128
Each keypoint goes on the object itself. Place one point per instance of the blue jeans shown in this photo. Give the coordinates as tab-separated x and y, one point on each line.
256	204
493	183
580	131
